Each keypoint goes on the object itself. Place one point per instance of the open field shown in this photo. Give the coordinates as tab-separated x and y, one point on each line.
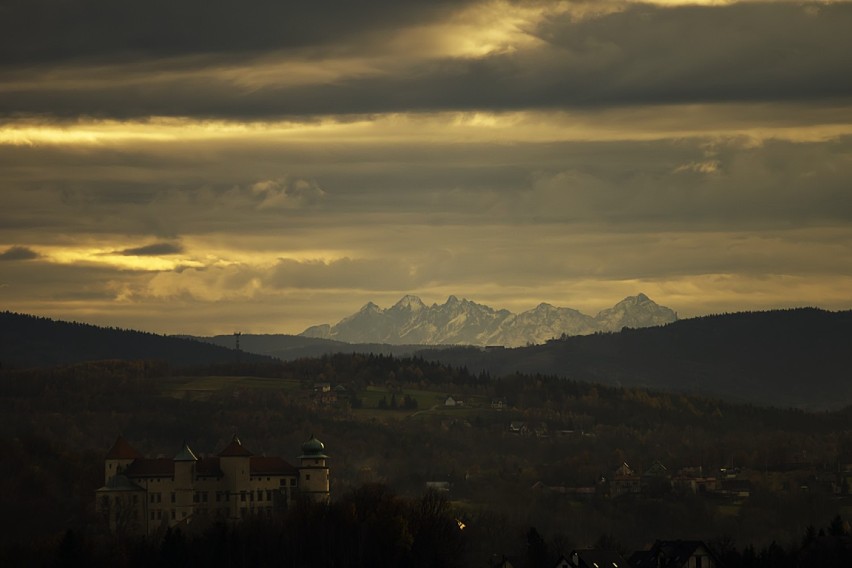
198	387
429	403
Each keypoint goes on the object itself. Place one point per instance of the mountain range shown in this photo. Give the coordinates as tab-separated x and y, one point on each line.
463	322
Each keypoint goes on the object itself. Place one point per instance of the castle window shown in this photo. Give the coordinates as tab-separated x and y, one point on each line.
268	495
173	514
204	497
242	495
173	496
292	482
307	477
260	495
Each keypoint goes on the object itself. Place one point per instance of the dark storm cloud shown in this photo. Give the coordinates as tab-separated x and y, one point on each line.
18	253
48	31
156	249
641	55
45	281
621	184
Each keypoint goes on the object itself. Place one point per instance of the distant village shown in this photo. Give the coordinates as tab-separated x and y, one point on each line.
731	483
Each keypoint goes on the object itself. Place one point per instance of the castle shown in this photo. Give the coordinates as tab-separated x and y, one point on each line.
144	494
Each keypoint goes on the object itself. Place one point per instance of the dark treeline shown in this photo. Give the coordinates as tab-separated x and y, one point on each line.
366	527
371	526
27	341
349	367
795	357
289	347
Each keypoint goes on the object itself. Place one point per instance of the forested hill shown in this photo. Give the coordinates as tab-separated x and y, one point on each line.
27	341
292	347
799	357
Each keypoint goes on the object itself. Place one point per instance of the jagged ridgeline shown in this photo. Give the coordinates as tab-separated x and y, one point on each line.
462	322
27	341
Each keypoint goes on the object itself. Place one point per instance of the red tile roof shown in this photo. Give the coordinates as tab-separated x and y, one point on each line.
235	449
262	465
122	450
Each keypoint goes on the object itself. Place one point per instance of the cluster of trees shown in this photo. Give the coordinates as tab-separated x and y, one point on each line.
408	403
828	547
372	526
366	527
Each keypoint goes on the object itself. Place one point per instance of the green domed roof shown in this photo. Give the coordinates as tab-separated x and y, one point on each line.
313	448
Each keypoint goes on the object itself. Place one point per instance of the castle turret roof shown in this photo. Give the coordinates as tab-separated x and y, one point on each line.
313	448
185	454
122	450
235	449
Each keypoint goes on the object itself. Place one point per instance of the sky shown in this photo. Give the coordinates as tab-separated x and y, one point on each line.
206	166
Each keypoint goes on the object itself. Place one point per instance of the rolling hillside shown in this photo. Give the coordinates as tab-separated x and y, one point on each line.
798	357
29	341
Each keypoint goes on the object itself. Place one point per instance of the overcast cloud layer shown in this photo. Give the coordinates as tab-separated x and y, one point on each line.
201	167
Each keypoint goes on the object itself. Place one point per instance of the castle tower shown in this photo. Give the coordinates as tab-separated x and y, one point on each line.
119	456
313	471
235	463
185	462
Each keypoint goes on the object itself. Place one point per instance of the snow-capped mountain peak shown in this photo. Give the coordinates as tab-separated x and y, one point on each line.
370	307
463	322
409	302
635	311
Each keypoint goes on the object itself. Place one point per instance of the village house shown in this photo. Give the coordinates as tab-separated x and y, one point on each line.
675	554
692	479
591	558
625	482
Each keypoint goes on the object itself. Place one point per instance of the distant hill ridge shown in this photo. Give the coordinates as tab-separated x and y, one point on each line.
463	322
31	341
799	357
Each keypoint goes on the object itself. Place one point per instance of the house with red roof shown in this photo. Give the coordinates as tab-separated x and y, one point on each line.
675	554
142	495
